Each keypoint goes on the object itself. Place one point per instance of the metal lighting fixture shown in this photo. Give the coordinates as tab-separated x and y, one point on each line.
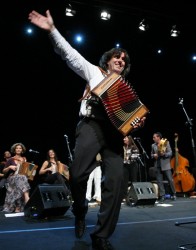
143	25
174	32
105	15
69	11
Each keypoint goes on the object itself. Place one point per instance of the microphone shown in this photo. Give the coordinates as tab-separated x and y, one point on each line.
65	136
136	138
33	151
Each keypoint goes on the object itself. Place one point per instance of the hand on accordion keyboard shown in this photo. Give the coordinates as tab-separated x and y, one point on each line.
140	123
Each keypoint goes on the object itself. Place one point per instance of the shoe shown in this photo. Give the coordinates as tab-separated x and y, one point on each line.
93	203
161	200
92	200
101	243
17	210
98	202
80	227
173	198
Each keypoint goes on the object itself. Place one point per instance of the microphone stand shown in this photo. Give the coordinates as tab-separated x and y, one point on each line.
188	122
144	158
70	155
140	163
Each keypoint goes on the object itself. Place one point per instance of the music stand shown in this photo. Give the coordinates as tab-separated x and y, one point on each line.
189	122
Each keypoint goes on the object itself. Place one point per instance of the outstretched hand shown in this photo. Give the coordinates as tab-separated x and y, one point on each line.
43	22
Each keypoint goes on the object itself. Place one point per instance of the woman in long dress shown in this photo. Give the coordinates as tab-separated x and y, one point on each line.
17	185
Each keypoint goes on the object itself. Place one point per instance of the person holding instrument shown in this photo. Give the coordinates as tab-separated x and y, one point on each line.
53	171
94	134
161	153
17	185
131	166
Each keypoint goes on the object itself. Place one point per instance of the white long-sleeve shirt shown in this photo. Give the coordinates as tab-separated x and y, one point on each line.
88	71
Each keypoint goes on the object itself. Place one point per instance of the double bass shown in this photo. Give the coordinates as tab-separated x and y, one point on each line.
183	179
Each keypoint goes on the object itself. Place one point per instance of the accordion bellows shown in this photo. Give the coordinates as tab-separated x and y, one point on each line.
121	102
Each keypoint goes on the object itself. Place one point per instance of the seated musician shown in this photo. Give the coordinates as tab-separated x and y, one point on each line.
53	171
17	185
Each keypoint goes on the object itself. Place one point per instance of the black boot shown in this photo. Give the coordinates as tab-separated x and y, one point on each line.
80	227
100	243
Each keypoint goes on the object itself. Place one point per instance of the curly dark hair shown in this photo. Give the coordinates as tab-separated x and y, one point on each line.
103	63
13	147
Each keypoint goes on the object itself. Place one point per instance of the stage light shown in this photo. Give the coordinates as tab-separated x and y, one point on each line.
69	11
105	15
143	25
174	32
79	38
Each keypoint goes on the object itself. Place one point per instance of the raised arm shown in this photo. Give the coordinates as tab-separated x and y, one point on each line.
72	57
43	22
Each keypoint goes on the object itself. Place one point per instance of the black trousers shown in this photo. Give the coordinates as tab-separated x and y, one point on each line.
94	137
57	178
130	174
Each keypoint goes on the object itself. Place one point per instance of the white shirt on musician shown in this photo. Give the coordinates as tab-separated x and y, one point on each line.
88	71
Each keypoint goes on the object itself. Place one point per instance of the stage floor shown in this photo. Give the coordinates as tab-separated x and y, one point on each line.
139	227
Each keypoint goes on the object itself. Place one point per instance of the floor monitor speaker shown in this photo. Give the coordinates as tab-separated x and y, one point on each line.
142	193
47	200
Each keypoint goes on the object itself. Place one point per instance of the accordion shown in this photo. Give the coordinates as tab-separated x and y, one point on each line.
28	169
120	102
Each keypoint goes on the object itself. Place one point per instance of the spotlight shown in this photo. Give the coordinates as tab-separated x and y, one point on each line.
69	11
105	15
174	32
143	25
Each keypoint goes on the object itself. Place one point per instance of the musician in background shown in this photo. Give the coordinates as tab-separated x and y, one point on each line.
94	134
131	166
161	153
6	156
17	185
93	192
53	171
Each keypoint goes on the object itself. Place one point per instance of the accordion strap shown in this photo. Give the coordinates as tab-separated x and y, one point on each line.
87	88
